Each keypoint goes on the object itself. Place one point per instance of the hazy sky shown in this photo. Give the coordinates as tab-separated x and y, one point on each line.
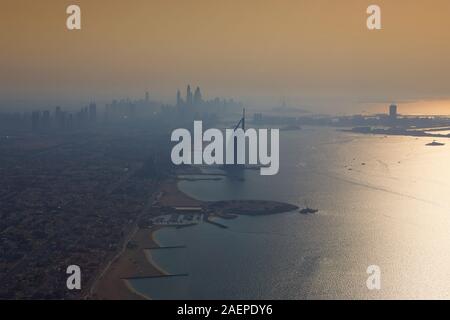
315	53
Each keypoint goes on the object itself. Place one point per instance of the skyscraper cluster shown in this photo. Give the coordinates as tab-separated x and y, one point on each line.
63	119
192	105
192	99
118	110
195	101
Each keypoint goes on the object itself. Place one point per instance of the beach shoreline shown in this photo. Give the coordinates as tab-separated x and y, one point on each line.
113	285
134	259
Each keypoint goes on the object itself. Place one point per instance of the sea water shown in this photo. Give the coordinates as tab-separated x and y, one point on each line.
382	201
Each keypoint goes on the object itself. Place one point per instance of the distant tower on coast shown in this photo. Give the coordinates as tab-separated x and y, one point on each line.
179	100
393	111
240	125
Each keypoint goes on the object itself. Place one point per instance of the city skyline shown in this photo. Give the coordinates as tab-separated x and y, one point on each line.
316	54
224	150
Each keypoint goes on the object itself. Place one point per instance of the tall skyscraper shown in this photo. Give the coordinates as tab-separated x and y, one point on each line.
240	125
85	115
179	100
197	97
147	96
189	96
393	111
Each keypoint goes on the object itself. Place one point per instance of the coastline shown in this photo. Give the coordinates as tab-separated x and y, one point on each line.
135	260
113	285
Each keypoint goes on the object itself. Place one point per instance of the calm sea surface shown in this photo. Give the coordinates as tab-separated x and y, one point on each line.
383	201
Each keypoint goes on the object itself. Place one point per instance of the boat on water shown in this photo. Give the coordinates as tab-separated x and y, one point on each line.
435	143
308	210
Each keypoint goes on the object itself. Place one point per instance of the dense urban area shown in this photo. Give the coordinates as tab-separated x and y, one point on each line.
75	182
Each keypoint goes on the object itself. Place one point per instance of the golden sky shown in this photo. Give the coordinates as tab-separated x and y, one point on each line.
317	53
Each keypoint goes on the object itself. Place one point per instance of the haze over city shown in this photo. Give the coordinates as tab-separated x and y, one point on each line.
224	150
317	55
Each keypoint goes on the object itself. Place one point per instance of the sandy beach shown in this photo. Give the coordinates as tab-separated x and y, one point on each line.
132	262
135	260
